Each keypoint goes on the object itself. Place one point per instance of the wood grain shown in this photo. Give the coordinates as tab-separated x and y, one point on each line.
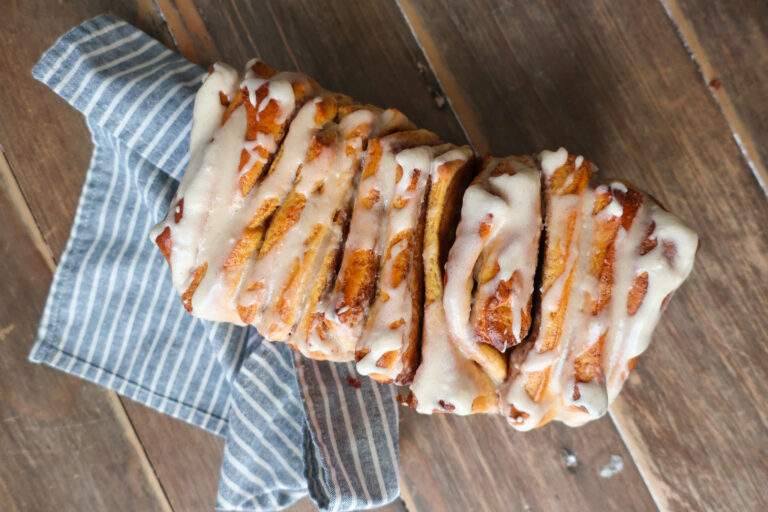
186	459
64	444
729	41
614	81
367	50
46	141
480	463
188	31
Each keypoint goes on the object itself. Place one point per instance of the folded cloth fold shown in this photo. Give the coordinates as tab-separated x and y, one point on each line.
293	427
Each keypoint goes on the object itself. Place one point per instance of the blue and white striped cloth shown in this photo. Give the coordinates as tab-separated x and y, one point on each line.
293	426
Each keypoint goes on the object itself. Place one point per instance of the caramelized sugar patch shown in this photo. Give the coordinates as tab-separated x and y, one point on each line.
163	241
357	284
372	158
388	359
197	276
637	293
587	365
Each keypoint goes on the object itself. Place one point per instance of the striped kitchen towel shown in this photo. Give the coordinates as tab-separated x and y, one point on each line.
293	427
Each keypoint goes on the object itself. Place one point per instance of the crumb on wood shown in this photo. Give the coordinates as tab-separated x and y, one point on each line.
613	467
715	84
570	460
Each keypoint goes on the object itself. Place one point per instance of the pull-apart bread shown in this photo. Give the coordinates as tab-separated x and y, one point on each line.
489	285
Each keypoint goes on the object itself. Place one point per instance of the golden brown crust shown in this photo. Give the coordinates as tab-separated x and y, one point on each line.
495	315
197	276
410	353
164	242
356	284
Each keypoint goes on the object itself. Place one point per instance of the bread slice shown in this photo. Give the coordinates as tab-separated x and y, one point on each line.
323	223
291	190
611	258
345	310
388	346
492	263
210	231
446	380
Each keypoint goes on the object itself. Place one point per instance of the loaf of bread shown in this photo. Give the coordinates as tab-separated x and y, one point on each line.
511	285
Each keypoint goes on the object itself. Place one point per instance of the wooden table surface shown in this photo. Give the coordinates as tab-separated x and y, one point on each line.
669	94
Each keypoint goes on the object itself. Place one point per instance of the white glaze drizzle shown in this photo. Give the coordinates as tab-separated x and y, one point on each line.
631	335
445	374
508	207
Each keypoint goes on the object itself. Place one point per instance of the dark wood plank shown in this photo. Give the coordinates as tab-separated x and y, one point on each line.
480	463
47	142
323	40
186	459
188	30
64	444
729	41
367	50
613	80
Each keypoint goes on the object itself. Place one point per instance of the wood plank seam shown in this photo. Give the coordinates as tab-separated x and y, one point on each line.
479	145
167	26
406	499
13	189
282	36
192	40
746	144
21	204
119	404
651	483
